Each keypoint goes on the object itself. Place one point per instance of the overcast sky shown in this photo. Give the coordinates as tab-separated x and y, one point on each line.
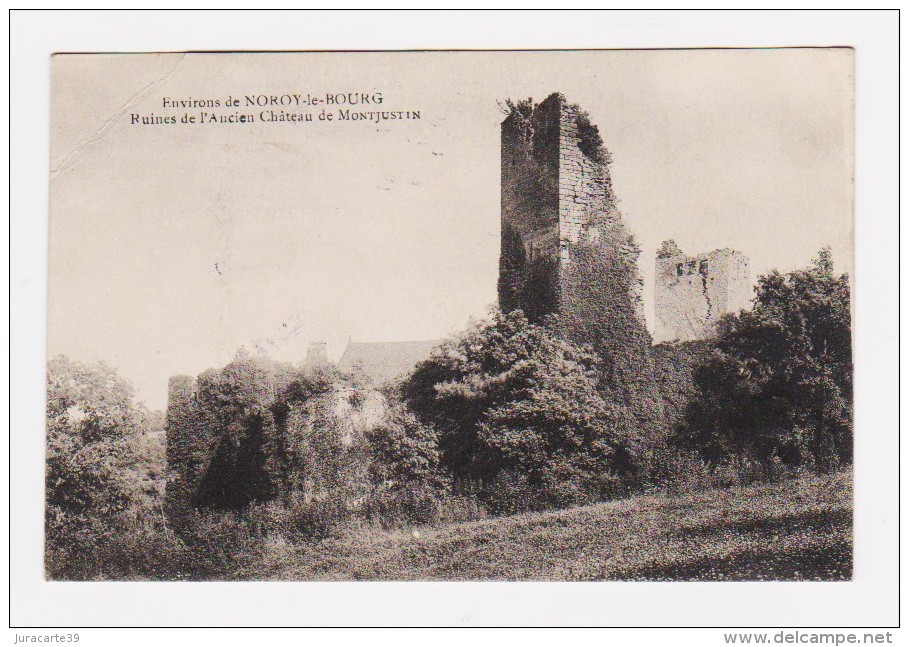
173	245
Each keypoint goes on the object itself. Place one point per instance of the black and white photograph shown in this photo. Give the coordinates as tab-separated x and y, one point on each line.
451	316
333	325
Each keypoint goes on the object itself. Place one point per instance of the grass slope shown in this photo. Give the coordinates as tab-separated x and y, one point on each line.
796	530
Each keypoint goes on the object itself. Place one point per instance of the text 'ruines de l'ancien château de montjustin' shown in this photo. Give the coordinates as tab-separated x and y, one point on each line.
287	108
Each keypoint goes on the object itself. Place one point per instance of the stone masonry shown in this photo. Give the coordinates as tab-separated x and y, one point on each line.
692	292
556	192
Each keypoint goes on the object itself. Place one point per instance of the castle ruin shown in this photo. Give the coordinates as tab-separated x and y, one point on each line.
226	427
316	355
556	198
565	252
693	292
558	205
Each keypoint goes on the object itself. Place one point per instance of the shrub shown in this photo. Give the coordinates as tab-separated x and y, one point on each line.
404	453
134	549
457	508
319	518
219	543
511	493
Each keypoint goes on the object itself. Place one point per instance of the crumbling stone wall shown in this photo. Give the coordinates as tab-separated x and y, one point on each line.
528	265
556	195
693	292
256	430
566	252
586	201
189	434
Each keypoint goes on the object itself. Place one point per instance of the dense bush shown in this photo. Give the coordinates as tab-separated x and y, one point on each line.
403	452
235	403
93	480
777	390
511	396
104	517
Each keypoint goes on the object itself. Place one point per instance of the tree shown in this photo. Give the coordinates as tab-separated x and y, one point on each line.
778	387
91	473
511	397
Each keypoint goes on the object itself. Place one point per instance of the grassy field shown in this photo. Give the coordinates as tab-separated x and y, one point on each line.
796	530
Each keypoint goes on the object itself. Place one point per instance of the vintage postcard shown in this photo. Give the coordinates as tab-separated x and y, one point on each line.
451	315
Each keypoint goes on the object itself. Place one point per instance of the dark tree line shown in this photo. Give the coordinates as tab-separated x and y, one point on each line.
511	414
777	387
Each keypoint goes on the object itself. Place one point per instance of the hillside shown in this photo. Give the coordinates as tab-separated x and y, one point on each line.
796	530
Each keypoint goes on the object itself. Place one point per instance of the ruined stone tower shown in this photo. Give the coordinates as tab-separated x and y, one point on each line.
692	292
186	440
316	355
556	198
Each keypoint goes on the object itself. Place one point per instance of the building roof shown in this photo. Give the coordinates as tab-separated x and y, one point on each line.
383	361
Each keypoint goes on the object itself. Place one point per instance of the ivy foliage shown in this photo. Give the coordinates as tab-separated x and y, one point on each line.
589	140
269	431
527	284
601	308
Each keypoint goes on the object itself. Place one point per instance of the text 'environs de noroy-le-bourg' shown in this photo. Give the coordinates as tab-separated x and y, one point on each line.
277	108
